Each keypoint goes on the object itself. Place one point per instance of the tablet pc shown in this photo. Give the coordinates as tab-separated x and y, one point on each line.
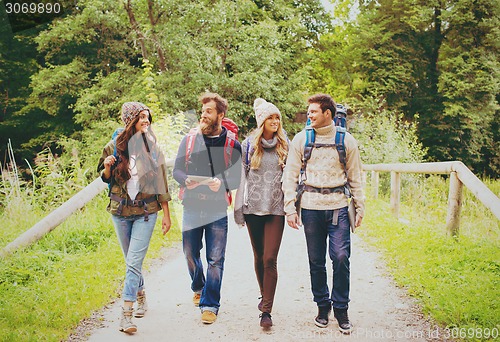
199	179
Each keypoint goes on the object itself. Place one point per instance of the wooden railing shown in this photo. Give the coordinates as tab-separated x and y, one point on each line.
460	175
59	215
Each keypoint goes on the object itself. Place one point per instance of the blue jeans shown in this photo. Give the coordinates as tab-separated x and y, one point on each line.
319	229
214	225
134	235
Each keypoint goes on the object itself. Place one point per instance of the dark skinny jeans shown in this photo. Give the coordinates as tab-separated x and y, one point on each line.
266	233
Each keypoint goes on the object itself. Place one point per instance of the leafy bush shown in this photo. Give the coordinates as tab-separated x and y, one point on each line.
384	136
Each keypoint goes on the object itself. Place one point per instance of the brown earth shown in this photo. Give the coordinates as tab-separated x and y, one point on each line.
379	310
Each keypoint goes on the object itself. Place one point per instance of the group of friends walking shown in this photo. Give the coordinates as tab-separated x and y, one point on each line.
266	169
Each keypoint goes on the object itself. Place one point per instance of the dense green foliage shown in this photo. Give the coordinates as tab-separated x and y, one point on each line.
421	78
89	62
434	61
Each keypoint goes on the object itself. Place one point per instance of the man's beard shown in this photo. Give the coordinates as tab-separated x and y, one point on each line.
208	127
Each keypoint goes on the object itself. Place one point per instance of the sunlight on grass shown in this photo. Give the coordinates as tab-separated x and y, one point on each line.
457	281
46	289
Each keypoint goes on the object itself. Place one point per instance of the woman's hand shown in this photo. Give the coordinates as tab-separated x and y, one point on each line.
166	223
294	221
109	161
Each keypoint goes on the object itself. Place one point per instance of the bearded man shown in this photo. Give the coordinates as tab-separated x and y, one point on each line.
207	171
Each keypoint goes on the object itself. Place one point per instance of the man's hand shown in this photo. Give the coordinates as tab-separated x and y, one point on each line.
214	184
358	221
294	221
191	184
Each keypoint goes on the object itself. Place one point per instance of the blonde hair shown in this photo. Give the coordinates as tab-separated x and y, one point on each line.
258	150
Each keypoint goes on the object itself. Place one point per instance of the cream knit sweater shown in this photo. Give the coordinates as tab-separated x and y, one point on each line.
324	169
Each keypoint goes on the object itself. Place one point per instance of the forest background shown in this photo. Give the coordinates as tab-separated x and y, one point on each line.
421	80
432	65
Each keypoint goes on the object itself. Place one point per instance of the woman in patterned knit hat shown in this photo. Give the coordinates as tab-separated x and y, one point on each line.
134	167
259	200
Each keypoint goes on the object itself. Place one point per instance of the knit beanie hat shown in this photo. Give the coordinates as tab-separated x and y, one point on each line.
130	110
263	110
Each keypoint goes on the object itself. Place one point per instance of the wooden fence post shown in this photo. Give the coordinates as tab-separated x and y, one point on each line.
395	192
454	204
375	184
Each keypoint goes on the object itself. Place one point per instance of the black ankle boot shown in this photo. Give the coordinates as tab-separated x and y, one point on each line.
345	325
322	319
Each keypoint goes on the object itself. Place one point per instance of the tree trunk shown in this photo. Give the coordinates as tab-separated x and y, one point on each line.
135	27
159	50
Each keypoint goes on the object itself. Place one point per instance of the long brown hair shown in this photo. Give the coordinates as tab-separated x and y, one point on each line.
258	150
122	173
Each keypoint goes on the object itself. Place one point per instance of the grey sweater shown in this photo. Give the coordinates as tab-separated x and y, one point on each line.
260	191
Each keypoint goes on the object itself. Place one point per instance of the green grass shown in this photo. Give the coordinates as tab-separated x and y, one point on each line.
456	280
47	288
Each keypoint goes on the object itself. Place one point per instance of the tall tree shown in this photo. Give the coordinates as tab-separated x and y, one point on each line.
433	60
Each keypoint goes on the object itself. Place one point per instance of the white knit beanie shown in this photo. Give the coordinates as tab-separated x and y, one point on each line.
263	110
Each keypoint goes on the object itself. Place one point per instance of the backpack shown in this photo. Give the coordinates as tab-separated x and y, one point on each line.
231	138
114	197
340	126
340	130
115	135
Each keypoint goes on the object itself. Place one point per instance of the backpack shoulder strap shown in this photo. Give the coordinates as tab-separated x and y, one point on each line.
308	146
190	139
115	135
228	153
229	147
248	154
339	144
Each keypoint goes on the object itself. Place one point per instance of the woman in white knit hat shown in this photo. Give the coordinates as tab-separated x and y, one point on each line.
259	200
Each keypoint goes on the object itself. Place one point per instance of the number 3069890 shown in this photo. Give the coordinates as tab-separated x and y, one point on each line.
33	8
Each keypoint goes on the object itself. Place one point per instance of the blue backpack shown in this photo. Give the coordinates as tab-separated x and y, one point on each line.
340	125
115	135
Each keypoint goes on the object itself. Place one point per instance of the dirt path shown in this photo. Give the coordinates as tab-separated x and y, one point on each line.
379	310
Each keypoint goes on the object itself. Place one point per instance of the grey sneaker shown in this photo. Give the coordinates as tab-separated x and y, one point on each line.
142	305
126	324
